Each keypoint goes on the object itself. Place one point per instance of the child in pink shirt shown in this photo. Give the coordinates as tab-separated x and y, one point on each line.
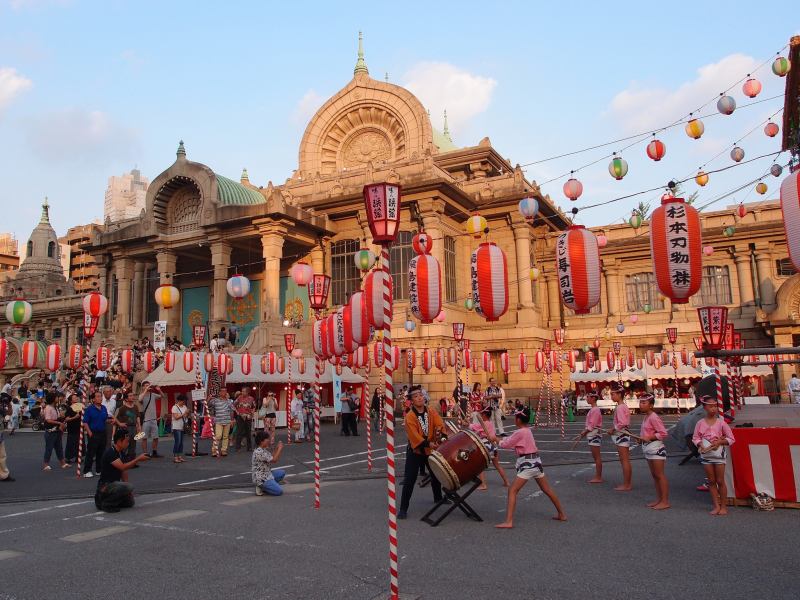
593	431
619	433
712	436
651	435
529	466
485	430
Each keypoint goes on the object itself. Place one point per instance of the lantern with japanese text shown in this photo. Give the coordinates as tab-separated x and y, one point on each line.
75	357
631	359
149	361
610	360
245	363
336	333
52	359
167	296
18	312
656	149
374	284
427	359
237	286
467	357
269	363
572	357
318	289
573	189
425	287
103	358
578	269
790	206
301	273
359	324
169	361
489	281
713	324
382	203
676	248
476	226
411	360
394	356
188	362
30	354
378	354
523	362
588	361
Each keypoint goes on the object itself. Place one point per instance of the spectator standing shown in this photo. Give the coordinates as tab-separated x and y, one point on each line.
94	424
377	402
222	407
16	411
793	388
54	429
233	334
110	402
270	414
129	418
244	406
148	400
493	396
350	405
73	423
179	412
308	408
298	415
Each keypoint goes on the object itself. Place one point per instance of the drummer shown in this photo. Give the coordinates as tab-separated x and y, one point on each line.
425	430
487	432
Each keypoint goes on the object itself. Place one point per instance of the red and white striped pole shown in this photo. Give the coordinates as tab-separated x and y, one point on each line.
85	394
368	412
289	400
317	373
718	382
198	383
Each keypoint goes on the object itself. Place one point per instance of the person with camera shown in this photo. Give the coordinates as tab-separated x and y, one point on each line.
53	432
149	401
113	490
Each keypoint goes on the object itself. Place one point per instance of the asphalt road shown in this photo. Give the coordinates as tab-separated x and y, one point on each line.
193	541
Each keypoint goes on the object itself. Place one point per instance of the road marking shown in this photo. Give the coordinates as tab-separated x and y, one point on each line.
174	516
88	536
4	554
73	504
240	501
209	479
172	499
26	512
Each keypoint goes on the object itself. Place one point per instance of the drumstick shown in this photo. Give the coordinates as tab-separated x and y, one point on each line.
633	435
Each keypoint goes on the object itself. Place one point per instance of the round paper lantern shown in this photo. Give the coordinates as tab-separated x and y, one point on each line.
741	210
75	357
452	356
298	352
167	296
620	327
410	325
245	363
737	154
489	281
301	272
781	66
776	170
708	250
440	359
701	178
761	188
378	354
596	343
52	359
611	360
647	309
656	149
729	231
534	273
539	360
651	357
188	362
373	292
422	243
726	104
359	322
30	355
427	359
771	129
364	259
3	352
636	220
578	269
469	304
18	312
95	304
476	226
694	129
790	206
411	360
573	189
425	287
618	167
149	361
238	286
523	362
528	208
280	366
169	361
602	241
126	359
676	249
634	318
751	87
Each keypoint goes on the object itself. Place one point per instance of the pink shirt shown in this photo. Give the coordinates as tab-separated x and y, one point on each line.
594	418
653	426
521	441
477	428
704	431
622	417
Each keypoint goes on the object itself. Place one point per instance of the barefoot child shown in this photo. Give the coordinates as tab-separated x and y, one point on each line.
486	432
651	435
711	435
593	432
529	466
619	433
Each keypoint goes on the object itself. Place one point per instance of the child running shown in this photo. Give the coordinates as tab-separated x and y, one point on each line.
593	432
651	435
621	436
529	466
711	436
486	432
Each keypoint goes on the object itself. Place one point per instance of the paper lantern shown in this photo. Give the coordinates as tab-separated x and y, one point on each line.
761	188
657	363
602	240
75	357
238	286
440	359
639	364
573	189
505	365
523	362
411	360
476	367
301	273
469	304
489	281
486	361
701	178
729	231
149	361
245	363
684	356
208	362
708	250
103	358
578	269
665	357
751	88
656	149
361	357
379	354
635	220
280	365
337	333
167	296
776	170
618	167
169	361
271	363
741	210
790	206
694	129
771	129
3	353
676	249
650	356
360	330
620	327
18	312
781	66
425	287
572	357
539	360
95	304
126	360
634	318
422	243
373	293
476	226
301	365
52	360
188	362
298	352
382	203
467	357
452	356
611	360
350	343
528	208
410	325
589	361
364	258
726	104
737	154
318	289
427	359
30	355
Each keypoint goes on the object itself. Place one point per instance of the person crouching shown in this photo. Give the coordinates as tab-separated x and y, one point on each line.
113	490
265	479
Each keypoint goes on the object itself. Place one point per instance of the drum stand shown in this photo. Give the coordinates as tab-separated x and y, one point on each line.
457	501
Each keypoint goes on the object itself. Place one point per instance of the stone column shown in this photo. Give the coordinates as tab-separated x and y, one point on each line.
318	259
138	297
746	293
124	272
783	338
766	284
612	292
522	244
553	300
272	236
221	260
102	286
167	261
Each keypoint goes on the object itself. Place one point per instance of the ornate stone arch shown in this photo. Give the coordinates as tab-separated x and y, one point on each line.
787	301
177	205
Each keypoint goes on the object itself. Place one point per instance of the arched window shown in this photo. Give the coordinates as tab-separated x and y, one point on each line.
345	278
450	289
51	249
30	248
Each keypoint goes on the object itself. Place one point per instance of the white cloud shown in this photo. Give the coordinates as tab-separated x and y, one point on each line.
639	108
306	107
11	85
441	86
76	135
32	4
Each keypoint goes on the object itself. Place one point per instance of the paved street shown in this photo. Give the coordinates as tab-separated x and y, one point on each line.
198	531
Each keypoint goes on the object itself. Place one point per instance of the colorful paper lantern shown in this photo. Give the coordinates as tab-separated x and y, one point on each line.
771	129
410	325
713	325
620	327
382	203
364	258
169	361
505	363
636	220
30	355
441	317
618	167
694	128
761	188
52	359
188	362
336	333
19	312
425	287
245	363
75	357
790	207
373	292
611	360
726	104
751	87
528	208
737	154
476	226
489	281
237	286
602	240
729	231
167	296
634	318
708	250
301	273
656	149
318	290
95	304
776	170
534	273
361	357
469	304
422	243
577	263
781	66
588	362
573	189
701	178
676	249
103	358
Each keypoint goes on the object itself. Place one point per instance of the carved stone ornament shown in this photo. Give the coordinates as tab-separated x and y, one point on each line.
365	147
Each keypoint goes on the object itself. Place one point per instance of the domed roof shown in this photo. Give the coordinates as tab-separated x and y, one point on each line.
43	252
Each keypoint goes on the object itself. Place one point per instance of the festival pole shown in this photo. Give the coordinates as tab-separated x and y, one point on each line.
318	289
368	412
95	306
558	335
288	343
199	339
458	336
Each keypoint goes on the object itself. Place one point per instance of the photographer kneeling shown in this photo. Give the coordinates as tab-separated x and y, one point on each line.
113	490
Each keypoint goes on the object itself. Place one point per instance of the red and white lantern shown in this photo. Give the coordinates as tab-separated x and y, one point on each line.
486	362
588	361
126	359
224	363
578	269
382	202
425	287
169	361
427	360
468	357
572	357
301	365
350	344
505	363
95	304
361	357
149	361
650	355
611	360
188	361
640	364
373	293
790	206
359	322
395	357
30	354
53	357
657	361
245	363
523	362
539	360
103	358
269	363
337	333
75	357
379	354
489	281
4	352
452	356
656	149
441	359
411	360
631	359
422	243
676	246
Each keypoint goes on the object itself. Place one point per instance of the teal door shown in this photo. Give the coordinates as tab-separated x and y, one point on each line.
194	310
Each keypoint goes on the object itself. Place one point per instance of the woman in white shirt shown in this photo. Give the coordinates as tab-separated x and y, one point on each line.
270	418
179	413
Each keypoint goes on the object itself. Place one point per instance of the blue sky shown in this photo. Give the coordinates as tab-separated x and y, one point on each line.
90	89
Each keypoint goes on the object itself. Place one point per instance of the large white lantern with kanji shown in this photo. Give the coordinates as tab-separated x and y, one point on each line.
382	203
578	269
790	205
489	281
425	287
676	248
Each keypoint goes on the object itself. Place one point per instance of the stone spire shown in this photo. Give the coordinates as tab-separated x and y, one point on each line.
181	153
361	65
45	218
245	178
386	77
446	130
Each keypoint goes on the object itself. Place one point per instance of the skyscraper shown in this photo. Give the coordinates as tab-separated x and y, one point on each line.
125	196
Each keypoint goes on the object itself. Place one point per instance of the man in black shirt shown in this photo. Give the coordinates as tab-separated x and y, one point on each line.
113	490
